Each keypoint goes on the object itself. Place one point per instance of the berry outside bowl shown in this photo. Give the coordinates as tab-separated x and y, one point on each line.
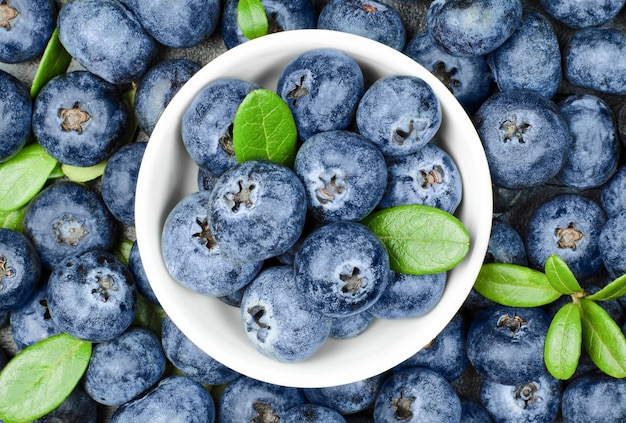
168	174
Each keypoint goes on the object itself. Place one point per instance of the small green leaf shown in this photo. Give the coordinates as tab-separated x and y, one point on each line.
612	291
149	316
54	61
603	339
515	286
23	176
564	342
420	239
12	219
57	172
83	174
39	378
252	18
560	276
264	128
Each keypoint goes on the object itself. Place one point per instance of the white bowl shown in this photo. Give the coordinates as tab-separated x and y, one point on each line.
168	174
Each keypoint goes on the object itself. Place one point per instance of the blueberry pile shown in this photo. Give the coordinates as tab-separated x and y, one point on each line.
544	82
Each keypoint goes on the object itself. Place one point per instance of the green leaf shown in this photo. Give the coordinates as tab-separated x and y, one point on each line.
12	219
564	342
252	18
560	276
122	250
515	286
603	339
54	62
23	176
41	377
420	239
83	174
612	291
264	128
57	172
148	315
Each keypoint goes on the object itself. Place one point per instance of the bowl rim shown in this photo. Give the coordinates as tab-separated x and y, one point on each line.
325	369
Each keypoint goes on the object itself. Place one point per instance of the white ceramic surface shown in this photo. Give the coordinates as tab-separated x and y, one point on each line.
167	174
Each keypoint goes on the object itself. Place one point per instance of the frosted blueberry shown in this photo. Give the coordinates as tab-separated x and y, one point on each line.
257	210
568	225
25	28
595	58
613	193
604	398
331	167
277	319
32	322
16	109
593	155
467	77
341	269
612	245
399	114
349	398
515	66
188	244
429	177
525	138
20	269
322	88
582	13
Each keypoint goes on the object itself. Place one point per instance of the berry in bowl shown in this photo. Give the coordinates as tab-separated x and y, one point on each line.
270	255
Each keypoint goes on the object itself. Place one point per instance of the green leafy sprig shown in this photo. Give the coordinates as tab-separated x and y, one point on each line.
252	18
577	324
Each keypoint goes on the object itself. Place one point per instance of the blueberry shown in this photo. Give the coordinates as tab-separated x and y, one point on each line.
322	88
142	282
257	210
612	245
278	321
339	186
408	296
537	401
468	77
342	269
32	322
568	225
473	412
515	66
79	118
92	296
399	114
446	354
250	400
371	19
157	88
77	407
207	124
66	219
119	181
282	15
350	326
349	398
20	268
178	24
594	397
516	339
470	28
312	413
16	108
122	369
175	398
613	193
595	58
429	177
122	56
505	245
582	13
525	138
25	28
190	359
594	152
417	394
188	244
